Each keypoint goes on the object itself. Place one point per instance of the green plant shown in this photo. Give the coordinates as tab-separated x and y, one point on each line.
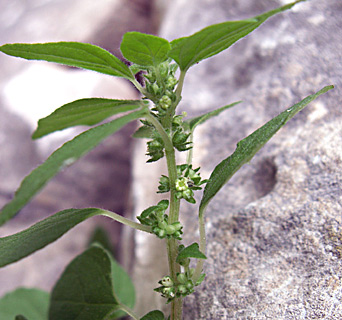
91	287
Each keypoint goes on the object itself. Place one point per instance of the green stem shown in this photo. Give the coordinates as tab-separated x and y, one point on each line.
178	92
127	222
202	245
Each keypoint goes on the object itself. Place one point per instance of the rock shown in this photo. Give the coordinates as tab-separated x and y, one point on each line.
274	232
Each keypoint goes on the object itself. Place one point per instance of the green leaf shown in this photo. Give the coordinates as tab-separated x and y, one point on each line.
248	147
218	37
153	315
194	122
83	112
85	289
62	157
30	303
144	49
101	236
143	132
75	54
191	251
24	243
123	288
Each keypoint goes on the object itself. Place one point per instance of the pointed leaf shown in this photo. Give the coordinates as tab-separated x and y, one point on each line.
64	156
26	242
212	40
191	251
144	49
248	147
75	54
85	289
194	122
153	315
83	112
31	304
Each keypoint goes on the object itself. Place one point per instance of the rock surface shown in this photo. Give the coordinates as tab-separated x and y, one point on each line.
274	231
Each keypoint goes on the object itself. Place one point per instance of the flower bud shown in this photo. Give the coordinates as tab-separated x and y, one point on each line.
166	282
181	277
170	229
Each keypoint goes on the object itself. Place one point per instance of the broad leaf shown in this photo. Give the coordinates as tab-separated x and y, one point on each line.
75	54
83	112
248	147
85	289
123	288
212	40
153	315
31	304
191	251
144	49
64	156
194	122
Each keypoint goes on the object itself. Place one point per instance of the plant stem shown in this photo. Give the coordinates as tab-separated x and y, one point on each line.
202	245
127	222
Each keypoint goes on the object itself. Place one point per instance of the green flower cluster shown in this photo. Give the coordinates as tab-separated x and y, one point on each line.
160	83
187	181
181	287
156	218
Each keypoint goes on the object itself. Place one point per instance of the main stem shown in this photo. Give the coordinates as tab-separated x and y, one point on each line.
171	244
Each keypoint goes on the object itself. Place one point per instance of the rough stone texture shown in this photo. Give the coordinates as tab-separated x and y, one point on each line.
31	90
275	231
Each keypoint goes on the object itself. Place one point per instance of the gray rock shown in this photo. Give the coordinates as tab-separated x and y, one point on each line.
274	231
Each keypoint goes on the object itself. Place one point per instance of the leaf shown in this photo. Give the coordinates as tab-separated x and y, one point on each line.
101	236
62	157
123	287
85	289
75	54
24	243
218	37
153	315
194	122
143	132
28	303
248	147
144	49
83	112
191	251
